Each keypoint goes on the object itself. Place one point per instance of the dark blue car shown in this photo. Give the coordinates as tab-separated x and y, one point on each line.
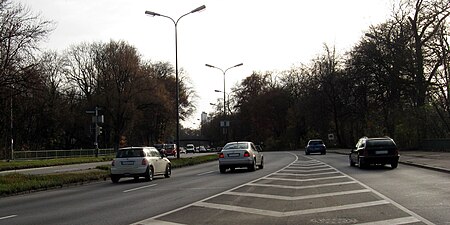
315	146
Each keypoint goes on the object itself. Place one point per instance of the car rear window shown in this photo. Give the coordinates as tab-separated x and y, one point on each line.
236	146
130	153
380	143
315	142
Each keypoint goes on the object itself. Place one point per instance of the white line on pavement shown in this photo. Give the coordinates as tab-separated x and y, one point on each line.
317	170
302	187
310	174
201	174
290	198
404	220
7	217
291	213
303	180
139	188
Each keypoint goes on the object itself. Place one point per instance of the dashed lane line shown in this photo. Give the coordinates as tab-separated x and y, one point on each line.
7	217
201	174
290	213
139	188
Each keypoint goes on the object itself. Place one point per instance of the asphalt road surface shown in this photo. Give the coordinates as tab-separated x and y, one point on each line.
291	189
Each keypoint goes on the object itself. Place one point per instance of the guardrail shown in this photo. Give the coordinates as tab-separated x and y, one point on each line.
54	154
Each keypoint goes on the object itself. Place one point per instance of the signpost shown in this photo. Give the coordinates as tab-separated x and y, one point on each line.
96	119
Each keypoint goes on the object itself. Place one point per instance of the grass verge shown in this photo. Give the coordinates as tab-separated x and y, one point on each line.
27	164
16	183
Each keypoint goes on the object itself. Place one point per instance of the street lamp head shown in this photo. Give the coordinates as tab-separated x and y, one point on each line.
217	91
150	13
198	9
240	64
209	65
212	104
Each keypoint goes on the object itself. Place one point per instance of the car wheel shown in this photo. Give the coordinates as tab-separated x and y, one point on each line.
149	174
114	178
222	169
394	165
136	178
360	163
253	166
168	172
306	153
261	166
351	161
232	169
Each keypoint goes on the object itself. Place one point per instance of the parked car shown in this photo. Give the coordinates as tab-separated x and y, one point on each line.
371	151
202	149
314	146
183	150
240	154
190	148
159	147
139	162
170	149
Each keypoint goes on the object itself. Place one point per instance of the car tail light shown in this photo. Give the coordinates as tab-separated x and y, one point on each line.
144	162
246	154
221	155
113	163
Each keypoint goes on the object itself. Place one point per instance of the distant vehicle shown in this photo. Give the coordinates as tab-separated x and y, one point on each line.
240	154
183	150
190	148
139	162
159	147
170	149
371	151
314	146
202	149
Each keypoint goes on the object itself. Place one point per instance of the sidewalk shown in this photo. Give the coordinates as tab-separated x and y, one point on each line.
439	161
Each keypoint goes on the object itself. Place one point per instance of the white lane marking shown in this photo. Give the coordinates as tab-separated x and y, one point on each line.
303	180
317	170
404	220
150	220
7	217
290	198
156	222
302	187
291	213
139	188
201	174
311	174
390	200
308	167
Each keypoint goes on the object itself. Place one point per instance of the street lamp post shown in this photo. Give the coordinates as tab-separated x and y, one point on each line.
225	123
177	90
224	93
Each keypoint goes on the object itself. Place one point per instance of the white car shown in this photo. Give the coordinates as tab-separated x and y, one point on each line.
240	154
139	162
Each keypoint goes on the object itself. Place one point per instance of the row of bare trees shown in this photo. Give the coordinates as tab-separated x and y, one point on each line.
393	82
45	95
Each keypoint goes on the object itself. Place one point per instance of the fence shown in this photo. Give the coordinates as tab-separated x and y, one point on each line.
54	154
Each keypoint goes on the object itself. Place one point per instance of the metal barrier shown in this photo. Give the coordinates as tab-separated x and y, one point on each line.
54	154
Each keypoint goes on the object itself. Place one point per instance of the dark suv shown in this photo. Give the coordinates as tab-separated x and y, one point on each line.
315	145
371	151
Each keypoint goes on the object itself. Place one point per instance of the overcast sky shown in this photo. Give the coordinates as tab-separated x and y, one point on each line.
264	35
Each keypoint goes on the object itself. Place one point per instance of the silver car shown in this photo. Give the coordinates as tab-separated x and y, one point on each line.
240	154
139	162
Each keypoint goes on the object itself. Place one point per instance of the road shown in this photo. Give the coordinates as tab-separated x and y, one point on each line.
291	189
